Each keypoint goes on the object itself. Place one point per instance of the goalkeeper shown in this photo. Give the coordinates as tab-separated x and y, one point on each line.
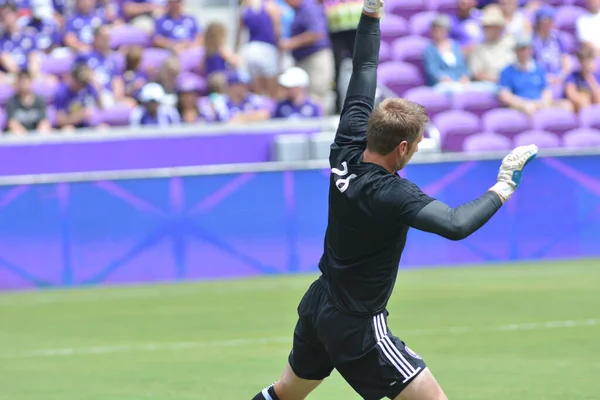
342	320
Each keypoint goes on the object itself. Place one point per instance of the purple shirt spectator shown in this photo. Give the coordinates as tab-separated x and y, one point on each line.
467	31
134	81
165	116
45	31
104	67
19	45
548	53
287	109
225	108
83	25
182	28
309	17
71	101
579	81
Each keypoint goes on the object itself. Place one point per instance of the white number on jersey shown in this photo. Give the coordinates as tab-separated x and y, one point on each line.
343	183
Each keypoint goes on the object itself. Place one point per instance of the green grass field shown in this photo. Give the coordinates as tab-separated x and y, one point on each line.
528	332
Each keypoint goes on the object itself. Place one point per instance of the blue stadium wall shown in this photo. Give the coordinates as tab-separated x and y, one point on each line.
222	226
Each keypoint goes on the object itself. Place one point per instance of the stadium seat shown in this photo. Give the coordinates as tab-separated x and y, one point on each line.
486	141
191	81
410	49
192	59
566	17
128	35
393	27
569	41
399	76
581	138
57	65
405	8
543	139
454	126
554	120
443	6
152	58
46	89
589	117
420	24
117	115
6	92
434	101
477	102
385	52
505	121
2	119
119	60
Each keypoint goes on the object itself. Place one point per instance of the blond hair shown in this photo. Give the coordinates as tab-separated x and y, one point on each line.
215	37
394	121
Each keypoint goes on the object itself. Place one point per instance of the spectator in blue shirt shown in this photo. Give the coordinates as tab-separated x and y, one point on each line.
152	112
523	85
582	87
296	103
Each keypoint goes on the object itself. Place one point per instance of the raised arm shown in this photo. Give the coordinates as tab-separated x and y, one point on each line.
460	222
360	96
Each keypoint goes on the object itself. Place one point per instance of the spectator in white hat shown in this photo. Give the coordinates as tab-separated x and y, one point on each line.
152	112
296	103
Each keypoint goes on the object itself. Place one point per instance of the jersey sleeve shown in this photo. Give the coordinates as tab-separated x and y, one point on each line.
406	200
360	96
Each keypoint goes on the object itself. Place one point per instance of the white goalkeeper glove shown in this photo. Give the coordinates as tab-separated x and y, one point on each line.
373	6
511	170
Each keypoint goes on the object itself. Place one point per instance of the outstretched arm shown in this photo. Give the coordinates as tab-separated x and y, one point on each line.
460	222
360	96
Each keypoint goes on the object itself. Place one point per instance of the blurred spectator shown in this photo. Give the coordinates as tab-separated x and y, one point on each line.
152	112
310	46
287	18
588	26
582	87
239	104
107	78
76	99
548	48
444	63
496	52
112	10
17	47
79	30
342	20
218	59
142	13
466	27
167	78
296	103
517	22
42	25
187	103
133	77
26	111
523	85
262	20
60	8
175	30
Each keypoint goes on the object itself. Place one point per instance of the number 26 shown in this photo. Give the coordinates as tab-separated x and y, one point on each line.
343	183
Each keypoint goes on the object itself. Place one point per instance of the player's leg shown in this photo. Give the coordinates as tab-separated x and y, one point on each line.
423	387
288	387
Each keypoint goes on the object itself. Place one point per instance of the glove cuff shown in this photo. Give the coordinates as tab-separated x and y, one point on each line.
503	189
372	6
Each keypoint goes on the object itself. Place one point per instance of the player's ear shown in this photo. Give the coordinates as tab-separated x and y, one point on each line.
403	148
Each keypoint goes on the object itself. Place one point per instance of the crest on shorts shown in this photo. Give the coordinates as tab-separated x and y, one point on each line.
412	353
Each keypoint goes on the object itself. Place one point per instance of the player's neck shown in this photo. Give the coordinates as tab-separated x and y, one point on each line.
383	161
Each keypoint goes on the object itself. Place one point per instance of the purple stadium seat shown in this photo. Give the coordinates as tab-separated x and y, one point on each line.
128	35
569	41
153	58
385	52
51	115
393	27
589	117
410	49
434	101
191	81
119	60
554	120
2	119
581	138
405	8
191	59
477	102
543	139
505	121
486	141
399	76
6	92
57	65
420	24
443	6
566	17
115	116
454	126
45	89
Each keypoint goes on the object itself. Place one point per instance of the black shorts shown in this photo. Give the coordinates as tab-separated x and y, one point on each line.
363	350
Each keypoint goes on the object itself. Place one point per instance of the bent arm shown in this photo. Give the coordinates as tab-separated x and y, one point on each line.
460	222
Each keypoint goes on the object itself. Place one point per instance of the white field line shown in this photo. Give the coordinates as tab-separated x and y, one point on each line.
152	347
